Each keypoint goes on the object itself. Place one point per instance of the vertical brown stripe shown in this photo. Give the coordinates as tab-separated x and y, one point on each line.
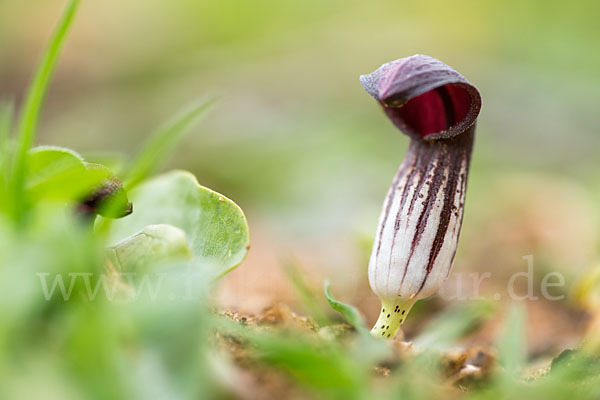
458	150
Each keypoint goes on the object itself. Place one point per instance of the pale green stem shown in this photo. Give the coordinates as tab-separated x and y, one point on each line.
393	313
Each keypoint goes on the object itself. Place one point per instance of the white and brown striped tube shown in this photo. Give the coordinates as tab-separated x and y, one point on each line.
419	226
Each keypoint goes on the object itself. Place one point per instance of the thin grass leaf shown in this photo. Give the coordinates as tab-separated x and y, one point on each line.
305	292
6	118
511	344
33	103
160	144
512	351
349	312
322	366
449	326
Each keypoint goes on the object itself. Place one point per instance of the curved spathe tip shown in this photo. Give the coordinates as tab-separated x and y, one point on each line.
423	97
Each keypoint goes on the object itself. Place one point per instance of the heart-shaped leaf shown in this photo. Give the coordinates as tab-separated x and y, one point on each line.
215	226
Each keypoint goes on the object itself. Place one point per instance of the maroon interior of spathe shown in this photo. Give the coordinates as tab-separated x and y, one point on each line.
434	111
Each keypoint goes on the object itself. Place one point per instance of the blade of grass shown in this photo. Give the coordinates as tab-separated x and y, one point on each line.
349	312
512	354
511	344
33	102
163	142
6	118
324	366
305	293
452	324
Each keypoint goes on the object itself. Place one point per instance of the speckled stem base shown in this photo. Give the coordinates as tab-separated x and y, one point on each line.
393	313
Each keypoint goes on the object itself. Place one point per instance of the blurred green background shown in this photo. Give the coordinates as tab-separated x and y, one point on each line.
300	146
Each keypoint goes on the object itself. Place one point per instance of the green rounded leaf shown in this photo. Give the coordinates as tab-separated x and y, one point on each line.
60	174
57	173
153	244
215	226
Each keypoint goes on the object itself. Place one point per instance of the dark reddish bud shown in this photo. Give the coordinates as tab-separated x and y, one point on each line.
109	199
424	97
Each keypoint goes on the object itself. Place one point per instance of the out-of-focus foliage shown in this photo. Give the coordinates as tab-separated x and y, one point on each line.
72	322
350	313
161	143
291	105
215	226
60	174
151	245
309	156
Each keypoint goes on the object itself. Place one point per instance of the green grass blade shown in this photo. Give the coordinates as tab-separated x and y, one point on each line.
352	315
454	323
304	291
512	344
33	103
6	118
162	143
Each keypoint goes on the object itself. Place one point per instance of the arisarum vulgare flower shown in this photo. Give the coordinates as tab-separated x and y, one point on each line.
419	226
